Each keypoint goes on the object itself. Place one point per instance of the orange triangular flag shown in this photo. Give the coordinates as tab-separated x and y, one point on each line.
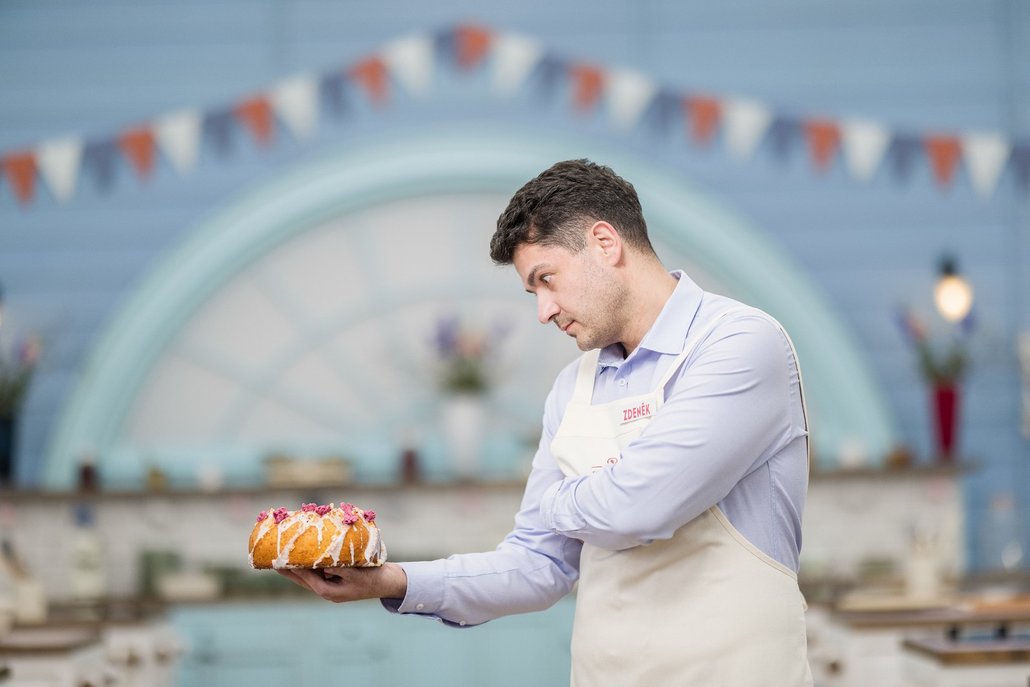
823	139
256	115
371	74
588	83
944	152
21	173
704	114
472	44
138	146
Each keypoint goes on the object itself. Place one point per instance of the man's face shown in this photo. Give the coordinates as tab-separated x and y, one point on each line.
576	291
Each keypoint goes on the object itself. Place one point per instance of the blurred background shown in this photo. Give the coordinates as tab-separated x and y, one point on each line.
244	263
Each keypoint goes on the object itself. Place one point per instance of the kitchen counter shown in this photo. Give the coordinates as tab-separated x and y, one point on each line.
942	662
953	612
126	640
971	652
861	640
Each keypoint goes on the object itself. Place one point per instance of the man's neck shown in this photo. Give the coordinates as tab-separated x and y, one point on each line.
648	297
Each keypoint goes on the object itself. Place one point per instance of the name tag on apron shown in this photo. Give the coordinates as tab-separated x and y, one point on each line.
634	412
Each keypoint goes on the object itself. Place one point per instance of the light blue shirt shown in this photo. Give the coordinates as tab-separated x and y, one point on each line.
731	433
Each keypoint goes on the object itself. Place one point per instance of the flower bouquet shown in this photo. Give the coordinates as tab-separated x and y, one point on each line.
943	366
465	355
17	364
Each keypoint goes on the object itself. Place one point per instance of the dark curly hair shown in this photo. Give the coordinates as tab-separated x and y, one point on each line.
552	209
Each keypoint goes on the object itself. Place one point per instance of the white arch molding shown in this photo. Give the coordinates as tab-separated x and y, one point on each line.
234	247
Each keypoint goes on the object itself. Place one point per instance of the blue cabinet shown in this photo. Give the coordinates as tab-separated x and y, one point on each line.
313	642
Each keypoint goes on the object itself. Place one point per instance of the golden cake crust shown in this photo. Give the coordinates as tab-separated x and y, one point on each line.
316	536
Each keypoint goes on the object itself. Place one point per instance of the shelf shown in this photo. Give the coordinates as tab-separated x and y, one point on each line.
884	473
331	492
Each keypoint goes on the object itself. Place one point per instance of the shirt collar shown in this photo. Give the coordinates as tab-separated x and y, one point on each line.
669	331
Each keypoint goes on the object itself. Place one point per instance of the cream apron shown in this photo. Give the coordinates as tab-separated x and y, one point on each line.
705	608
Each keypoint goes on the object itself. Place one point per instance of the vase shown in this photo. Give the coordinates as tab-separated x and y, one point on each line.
8	426
945	398
462	418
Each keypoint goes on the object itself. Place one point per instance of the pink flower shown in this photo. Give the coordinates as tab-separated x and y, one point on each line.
350	518
280	514
309	507
262	515
31	349
322	510
370	515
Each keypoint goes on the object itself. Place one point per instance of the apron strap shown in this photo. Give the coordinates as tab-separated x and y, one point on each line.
585	376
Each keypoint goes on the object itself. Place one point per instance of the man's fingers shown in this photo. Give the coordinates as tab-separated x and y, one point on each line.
293	577
338	584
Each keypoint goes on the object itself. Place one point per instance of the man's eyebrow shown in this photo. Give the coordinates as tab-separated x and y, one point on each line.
531	279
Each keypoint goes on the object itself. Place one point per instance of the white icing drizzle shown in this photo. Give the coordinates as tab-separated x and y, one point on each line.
374	552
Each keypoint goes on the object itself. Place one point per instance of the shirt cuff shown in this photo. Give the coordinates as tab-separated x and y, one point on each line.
425	589
547	502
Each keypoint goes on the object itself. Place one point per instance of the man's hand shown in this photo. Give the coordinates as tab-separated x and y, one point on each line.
352	584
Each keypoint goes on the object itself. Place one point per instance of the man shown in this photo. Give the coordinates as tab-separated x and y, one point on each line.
671	473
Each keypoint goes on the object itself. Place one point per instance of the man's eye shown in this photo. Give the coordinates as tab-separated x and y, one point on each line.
546	279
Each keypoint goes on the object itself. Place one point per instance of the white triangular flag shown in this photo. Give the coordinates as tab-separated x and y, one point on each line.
410	59
58	162
986	154
295	101
864	142
514	58
745	123
629	93
178	135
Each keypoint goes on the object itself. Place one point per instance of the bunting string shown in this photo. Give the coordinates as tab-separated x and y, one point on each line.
628	98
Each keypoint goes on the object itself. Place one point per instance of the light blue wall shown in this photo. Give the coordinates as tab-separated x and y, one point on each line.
92	67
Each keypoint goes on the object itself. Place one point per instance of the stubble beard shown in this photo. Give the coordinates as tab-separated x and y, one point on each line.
605	310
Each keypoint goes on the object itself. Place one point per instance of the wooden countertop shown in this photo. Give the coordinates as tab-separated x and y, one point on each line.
47	641
971	652
945	612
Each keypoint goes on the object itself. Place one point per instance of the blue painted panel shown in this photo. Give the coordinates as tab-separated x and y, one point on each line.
313	641
953	63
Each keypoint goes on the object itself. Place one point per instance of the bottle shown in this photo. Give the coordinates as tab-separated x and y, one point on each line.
30	604
87	581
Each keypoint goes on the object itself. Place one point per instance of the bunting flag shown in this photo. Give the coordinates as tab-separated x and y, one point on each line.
630	100
944	154
514	59
295	102
587	85
410	59
20	169
256	114
58	162
704	114
985	156
823	138
178	136
628	93
746	123
865	143
372	76
471	45
138	146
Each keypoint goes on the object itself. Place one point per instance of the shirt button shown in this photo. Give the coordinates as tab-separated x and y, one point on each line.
419	607
622	382
462	623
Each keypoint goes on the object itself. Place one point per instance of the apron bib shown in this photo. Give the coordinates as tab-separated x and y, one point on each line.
704	608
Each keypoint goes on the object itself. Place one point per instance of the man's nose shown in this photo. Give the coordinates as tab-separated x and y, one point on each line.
545	309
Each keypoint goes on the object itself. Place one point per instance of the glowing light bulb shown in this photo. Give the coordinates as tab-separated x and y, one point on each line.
953	295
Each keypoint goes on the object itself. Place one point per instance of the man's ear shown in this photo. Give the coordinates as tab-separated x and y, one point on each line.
605	237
